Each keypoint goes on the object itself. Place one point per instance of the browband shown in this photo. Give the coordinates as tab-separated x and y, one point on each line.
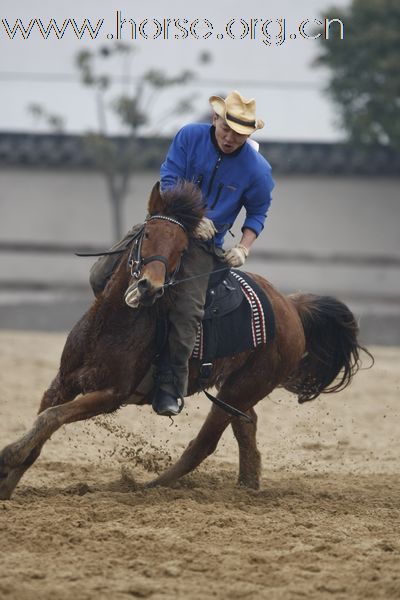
165	218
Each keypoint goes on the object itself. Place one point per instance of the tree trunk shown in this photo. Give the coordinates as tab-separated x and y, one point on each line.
117	203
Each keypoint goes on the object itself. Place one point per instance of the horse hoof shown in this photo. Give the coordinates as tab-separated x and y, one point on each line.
5	491
5	494
3	470
250	484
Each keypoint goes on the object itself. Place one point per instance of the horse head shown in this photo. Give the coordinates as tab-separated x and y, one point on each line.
155	258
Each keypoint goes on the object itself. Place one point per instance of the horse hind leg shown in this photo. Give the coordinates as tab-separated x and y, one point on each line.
198	449
205	443
242	389
249	455
17	457
210	433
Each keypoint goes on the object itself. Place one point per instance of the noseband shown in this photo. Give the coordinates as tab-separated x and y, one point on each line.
136	262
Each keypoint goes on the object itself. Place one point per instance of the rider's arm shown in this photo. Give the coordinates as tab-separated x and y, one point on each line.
248	238
256	202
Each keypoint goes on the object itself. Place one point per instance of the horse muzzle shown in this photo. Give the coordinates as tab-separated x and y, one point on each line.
143	293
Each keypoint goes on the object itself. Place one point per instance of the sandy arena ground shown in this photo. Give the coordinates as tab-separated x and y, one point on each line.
325	523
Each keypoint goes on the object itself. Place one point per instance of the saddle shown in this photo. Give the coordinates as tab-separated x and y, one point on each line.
238	316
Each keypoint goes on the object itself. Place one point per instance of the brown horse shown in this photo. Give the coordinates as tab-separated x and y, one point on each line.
111	349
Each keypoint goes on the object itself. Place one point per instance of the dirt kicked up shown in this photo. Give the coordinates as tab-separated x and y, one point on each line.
325	523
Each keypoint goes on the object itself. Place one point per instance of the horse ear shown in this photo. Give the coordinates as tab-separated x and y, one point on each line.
156	202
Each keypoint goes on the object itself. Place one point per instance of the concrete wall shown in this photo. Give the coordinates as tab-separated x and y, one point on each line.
319	214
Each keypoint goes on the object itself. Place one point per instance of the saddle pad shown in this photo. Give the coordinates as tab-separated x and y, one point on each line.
250	325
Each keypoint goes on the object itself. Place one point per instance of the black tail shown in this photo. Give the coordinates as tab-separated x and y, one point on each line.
332	350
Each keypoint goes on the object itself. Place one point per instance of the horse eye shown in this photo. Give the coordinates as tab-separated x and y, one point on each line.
146	235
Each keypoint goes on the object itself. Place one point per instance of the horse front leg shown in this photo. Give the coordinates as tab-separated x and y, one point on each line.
16	458
249	455
9	475
198	449
53	396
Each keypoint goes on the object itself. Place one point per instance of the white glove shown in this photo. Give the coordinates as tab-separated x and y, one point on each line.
205	230
236	256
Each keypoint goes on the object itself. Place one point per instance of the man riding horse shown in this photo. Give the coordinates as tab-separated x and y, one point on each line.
231	174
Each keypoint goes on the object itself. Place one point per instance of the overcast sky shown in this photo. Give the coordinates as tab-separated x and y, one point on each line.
300	111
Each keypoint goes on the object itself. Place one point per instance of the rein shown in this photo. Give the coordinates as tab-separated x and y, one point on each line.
194	277
110	252
135	262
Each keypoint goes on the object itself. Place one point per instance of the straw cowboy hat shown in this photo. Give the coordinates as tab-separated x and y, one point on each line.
239	113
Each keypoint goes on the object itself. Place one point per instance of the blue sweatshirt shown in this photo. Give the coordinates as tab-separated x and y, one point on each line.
228	181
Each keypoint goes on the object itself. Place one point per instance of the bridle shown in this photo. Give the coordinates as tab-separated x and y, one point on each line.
136	262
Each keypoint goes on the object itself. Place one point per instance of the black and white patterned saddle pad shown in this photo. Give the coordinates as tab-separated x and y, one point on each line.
247	326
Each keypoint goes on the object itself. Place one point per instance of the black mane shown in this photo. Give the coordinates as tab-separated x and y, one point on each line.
185	203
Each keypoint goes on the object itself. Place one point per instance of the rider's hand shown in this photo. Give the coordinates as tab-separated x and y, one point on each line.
205	230
236	256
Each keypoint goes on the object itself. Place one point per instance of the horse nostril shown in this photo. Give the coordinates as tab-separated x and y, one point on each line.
143	285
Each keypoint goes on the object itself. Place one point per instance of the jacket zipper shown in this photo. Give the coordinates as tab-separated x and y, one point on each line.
199	181
221	185
213	175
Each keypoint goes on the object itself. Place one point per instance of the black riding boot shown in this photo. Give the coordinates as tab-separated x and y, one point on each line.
167	400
